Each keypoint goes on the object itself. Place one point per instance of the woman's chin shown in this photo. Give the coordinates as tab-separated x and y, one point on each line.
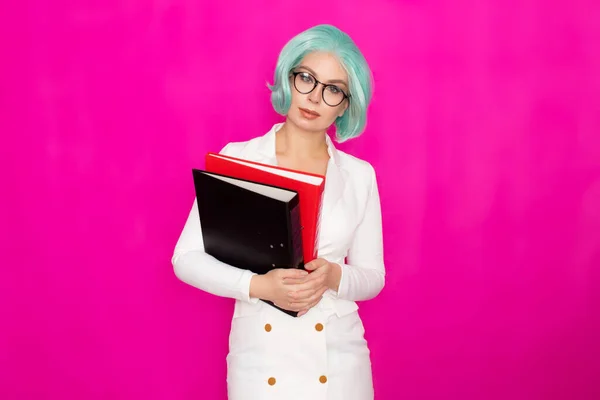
315	125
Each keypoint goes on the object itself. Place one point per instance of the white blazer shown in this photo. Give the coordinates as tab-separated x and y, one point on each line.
350	235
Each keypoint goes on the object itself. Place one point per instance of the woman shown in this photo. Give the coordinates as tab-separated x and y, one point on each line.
321	79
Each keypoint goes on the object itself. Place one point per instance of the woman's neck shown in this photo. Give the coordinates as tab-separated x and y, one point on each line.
296	143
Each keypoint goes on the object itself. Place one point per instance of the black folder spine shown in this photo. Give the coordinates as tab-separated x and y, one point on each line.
296	236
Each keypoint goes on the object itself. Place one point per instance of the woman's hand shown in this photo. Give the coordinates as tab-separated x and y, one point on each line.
306	292
276	285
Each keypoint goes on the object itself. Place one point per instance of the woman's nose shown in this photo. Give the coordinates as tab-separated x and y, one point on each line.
315	95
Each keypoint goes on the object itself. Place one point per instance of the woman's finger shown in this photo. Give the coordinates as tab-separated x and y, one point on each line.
302	295
293	281
310	285
292	273
310	301
315	298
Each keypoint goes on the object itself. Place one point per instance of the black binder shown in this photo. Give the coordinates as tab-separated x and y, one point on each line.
249	225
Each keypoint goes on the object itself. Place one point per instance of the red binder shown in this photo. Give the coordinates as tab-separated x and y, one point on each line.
310	188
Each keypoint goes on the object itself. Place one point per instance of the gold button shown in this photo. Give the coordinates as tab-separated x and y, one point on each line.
319	327
271	381
323	379
268	327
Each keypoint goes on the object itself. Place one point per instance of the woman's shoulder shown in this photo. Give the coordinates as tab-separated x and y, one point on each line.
250	146
237	147
359	175
241	148
358	167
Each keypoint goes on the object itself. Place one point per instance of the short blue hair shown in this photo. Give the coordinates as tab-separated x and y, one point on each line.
329	39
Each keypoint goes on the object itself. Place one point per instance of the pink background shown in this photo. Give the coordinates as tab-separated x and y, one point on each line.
485	132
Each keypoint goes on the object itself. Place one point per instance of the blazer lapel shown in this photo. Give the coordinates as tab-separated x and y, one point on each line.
263	151
335	179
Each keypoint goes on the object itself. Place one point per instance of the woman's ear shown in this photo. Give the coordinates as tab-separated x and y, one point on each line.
343	109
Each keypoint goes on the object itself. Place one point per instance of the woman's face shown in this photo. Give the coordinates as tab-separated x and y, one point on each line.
318	109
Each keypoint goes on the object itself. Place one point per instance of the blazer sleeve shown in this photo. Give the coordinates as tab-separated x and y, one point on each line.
363	277
192	265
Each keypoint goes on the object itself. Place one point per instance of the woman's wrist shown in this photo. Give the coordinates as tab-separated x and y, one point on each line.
335	277
258	287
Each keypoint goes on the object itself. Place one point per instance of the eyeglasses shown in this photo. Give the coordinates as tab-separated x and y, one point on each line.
306	83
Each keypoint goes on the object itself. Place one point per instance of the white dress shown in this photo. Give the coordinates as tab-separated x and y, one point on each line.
322	355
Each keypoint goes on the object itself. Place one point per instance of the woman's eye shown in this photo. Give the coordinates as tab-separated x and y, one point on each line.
334	89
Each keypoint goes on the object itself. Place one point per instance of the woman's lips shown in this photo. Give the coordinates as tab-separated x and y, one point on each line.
308	114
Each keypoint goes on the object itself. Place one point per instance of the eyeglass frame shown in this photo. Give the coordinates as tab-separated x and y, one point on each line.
317	83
